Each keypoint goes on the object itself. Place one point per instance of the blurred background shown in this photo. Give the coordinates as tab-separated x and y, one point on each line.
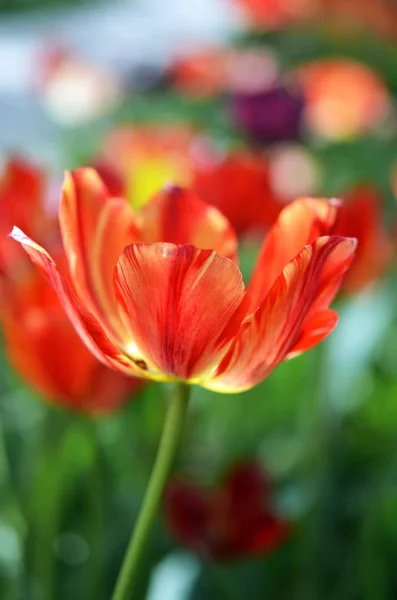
288	491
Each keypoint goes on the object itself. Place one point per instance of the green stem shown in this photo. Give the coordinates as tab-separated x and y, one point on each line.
96	517
164	459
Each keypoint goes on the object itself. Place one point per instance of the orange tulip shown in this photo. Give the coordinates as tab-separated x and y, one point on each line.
343	98
149	299
234	520
40	342
361	217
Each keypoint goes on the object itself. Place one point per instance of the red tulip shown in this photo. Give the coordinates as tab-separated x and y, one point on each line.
234	520
43	347
361	217
239	186
22	189
169	308
40	341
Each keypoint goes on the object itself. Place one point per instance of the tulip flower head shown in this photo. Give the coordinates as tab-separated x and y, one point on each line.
234	520
158	294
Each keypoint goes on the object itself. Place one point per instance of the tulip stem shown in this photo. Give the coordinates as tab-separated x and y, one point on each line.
163	463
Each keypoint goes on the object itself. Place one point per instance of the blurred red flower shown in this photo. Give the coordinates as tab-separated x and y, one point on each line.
234	520
239	186
361	217
40	342
150	299
22	192
215	71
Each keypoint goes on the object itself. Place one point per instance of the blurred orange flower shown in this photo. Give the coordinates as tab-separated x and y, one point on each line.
343	98
170	310
40	342
234	520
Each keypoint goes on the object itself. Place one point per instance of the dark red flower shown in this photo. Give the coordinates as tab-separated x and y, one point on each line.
234	520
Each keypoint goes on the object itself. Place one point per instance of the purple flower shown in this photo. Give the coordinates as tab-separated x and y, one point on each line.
269	116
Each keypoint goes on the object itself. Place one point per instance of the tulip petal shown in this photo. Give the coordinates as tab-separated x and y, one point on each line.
84	322
181	305
176	215
314	330
300	223
95	229
292	318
